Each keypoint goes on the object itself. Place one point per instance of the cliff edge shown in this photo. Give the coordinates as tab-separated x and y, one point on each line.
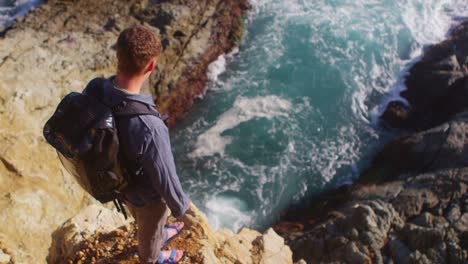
57	48
100	235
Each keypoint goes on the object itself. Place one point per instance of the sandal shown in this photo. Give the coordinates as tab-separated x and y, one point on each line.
171	259
178	229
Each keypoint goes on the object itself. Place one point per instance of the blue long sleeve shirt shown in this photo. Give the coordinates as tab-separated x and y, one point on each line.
144	140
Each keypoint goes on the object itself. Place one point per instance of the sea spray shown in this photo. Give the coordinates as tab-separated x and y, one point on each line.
216	68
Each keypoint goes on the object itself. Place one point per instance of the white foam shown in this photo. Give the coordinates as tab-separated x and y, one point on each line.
216	68
430	20
244	109
227	211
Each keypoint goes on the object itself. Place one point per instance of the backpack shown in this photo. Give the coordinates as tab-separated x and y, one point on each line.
83	130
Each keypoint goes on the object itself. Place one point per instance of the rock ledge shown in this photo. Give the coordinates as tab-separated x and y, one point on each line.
100	235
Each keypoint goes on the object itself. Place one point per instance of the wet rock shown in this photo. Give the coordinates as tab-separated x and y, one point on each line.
439	77
396	114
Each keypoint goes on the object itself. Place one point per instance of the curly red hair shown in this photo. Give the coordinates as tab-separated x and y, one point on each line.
136	46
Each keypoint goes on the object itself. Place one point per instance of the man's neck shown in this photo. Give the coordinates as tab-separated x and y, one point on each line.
129	84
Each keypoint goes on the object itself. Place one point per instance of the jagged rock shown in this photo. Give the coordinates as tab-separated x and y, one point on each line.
418	237
92	219
439	77
271	249
93	233
441	147
57	48
331	241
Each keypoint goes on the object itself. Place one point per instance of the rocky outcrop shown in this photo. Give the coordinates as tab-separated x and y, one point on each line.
411	205
82	239
58	48
404	219
92	219
436	85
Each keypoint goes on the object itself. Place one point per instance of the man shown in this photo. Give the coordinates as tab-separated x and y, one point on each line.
145	142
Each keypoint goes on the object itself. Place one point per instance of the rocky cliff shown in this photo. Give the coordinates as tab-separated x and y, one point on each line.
58	48
411	205
99	235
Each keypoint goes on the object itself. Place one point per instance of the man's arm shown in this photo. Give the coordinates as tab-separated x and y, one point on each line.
158	164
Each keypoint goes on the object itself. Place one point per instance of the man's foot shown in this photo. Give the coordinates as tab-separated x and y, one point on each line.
172	231
170	256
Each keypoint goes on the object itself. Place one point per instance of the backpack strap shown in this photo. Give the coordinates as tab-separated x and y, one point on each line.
124	108
133	108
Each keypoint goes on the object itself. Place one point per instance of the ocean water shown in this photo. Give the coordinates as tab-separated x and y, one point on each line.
294	110
10	9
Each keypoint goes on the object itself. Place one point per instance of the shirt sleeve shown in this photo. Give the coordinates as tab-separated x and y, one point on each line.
158	164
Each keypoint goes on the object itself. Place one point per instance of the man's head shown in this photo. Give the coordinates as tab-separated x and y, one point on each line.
137	48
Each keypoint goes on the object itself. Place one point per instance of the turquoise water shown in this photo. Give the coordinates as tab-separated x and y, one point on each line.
294	111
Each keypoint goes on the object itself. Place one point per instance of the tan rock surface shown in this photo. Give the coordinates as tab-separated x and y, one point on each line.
198	240
93	218
58	48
